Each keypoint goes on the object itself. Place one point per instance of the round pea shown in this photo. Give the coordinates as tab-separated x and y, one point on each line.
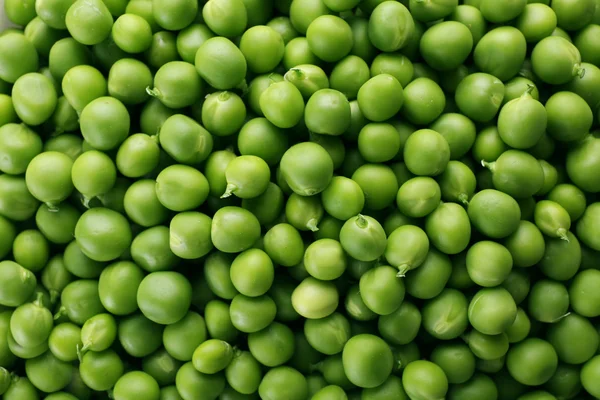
221	63
343	198
181	188
492	310
532	362
579	158
381	97
89	22
390	26
34	98
362	367
479	96
168	305
234	229
307	168
48	177
488	263
381	290
447	45
584	301
363	238
174	15
424	380
181	339
407	257
501	52
18	56
497	221
426	153
315	299
556	61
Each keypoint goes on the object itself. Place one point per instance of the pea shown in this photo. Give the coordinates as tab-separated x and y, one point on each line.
64	341
457	183
562	257
315	299
565	381
247	177
488	263
83	76
100	371
162	367
552	219
548	301
574	339
183	337
283	381
564	106
502	64
234	229
18	284
457	361
244	373
16	203
181	187
213	55
404	257
31	323
526	245
85	177
134	384
581	155
428	281
556	61
492	310
532	362
446	46
307	168
20	144
83	15
137	156
445	316
448	228
171	304
174	15
508	174
582	300
191	383
343	198
18	56
423	379
479	96
363	238
490	221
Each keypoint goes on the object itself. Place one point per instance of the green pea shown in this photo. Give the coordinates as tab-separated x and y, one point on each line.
447	45
532	362
128	79
357	309
212	356
458	130
81	265
548	301
228	224
325	259
552	219
343	198
426	153
498	221
472	17
192	384
381	290
583	301
150	249
170	90
563	106
171	303
48	177
181	188
252	314
522	121
315	299
428	281
506	63
348	75
21	388
89	22
457	183
263	47
423	379
407	257
190	39
18	56
448	228
34	109
223	113
48	373
262	345
184	336
488	263
418	197
570	330
247	177
83	76
283	244
85	178
327	112
110	287
162	367
98	333
381	97
104	244
518	284
390	34
283	25
516	173
20	144
479	96
492	310
174	15
244	373
556	61
16	201
252	272
307	168
363	238
221	63
397	65
136	384
273	95
456	359
566	380
80	301
98	125
31	323
283	381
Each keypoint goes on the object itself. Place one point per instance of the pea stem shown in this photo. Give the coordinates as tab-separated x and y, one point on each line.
312	224
61	311
579	71
153	92
52	207
489	165
361	221
529	90
464	198
402	270
562	234
39	297
231	188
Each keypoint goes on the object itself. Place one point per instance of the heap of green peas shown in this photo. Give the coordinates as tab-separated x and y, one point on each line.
300	199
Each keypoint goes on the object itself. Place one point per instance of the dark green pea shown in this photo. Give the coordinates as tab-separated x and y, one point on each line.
526	245
334	146
572	329
192	384
306	359
283	244
457	183
518	284
162	367
548	301
153	115
363	238
81	265
357	309
488	263
190	39
565	382
139	336
80	301
18	284
562	258
428	281
244	373
42	36
150	249
586	86
460	279
20	144
395	219
479	96
16	201
47	373
458	130
184	336
31	323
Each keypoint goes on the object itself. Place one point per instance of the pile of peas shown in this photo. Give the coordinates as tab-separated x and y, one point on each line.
300	199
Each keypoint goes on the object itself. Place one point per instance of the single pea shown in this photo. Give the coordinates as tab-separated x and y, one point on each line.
498	221
488	145
574	338
243	373
170	89
381	290
223	113
458	130
307	168
522	121
82	84
583	300
79	264
234	229
98	333
479	96
259	137
31	323
262	344
282	92
247	177
103	234
315	299
423	379
137	156
20	144
283	25
361	366
548	301
329	37
171	303
221	63
136	384
488	263
190	235
48	177
426	153
18	56
532	362
284	245
128	79
252	314
85	176
516	173
457	183
418	197
487	347
214	170
174	15
283	381
48	373
348	75
7	113
343	198
562	258
112	280
556	61
567	106
429	280
64	341
407	247
181	188
378	142
132	33
447	45
142	205
190	39
16	201
252	272
448	228
98	125
390	34
184	336
363	238
212	356
381	97
263	48
552	219
327	112
456	359
64	119
34	98
492	310
150	249
328	335
501	52
325	259
89	22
